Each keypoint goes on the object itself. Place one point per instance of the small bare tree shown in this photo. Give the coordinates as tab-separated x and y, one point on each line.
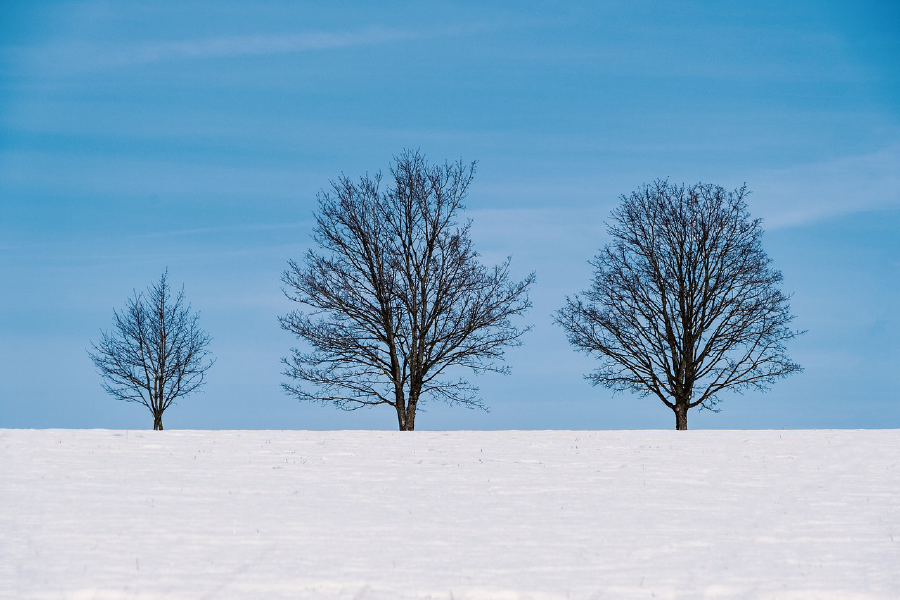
684	303
155	353
398	298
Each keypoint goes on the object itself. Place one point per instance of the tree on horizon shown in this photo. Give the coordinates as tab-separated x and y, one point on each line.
398	299
683	304
155	352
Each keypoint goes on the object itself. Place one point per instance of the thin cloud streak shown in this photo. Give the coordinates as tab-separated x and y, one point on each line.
215	230
818	191
784	198
254	45
87	56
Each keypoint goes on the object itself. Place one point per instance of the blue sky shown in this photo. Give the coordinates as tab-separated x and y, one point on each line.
136	137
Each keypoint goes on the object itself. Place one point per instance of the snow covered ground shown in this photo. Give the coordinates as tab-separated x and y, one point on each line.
96	514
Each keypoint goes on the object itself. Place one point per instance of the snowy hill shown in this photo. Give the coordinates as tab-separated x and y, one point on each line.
96	514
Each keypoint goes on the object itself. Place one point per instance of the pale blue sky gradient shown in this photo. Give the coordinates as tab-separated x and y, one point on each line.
188	136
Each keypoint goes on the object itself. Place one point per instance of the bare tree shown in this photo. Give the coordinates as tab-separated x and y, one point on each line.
684	303
155	353
398	297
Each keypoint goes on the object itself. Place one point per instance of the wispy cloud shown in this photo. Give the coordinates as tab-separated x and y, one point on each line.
249	228
812	192
253	45
93	56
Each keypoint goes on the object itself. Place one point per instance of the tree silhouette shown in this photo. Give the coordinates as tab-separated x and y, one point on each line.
155	352
684	303
399	300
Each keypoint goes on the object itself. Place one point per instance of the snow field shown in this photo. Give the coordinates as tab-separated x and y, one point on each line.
97	514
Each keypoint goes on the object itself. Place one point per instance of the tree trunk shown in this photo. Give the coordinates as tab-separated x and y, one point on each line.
406	416
157	422
681	417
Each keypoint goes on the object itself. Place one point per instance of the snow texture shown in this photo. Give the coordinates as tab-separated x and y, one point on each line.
96	514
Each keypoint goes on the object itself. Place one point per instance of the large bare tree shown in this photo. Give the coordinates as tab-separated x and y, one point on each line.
398	300
684	303
155	352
